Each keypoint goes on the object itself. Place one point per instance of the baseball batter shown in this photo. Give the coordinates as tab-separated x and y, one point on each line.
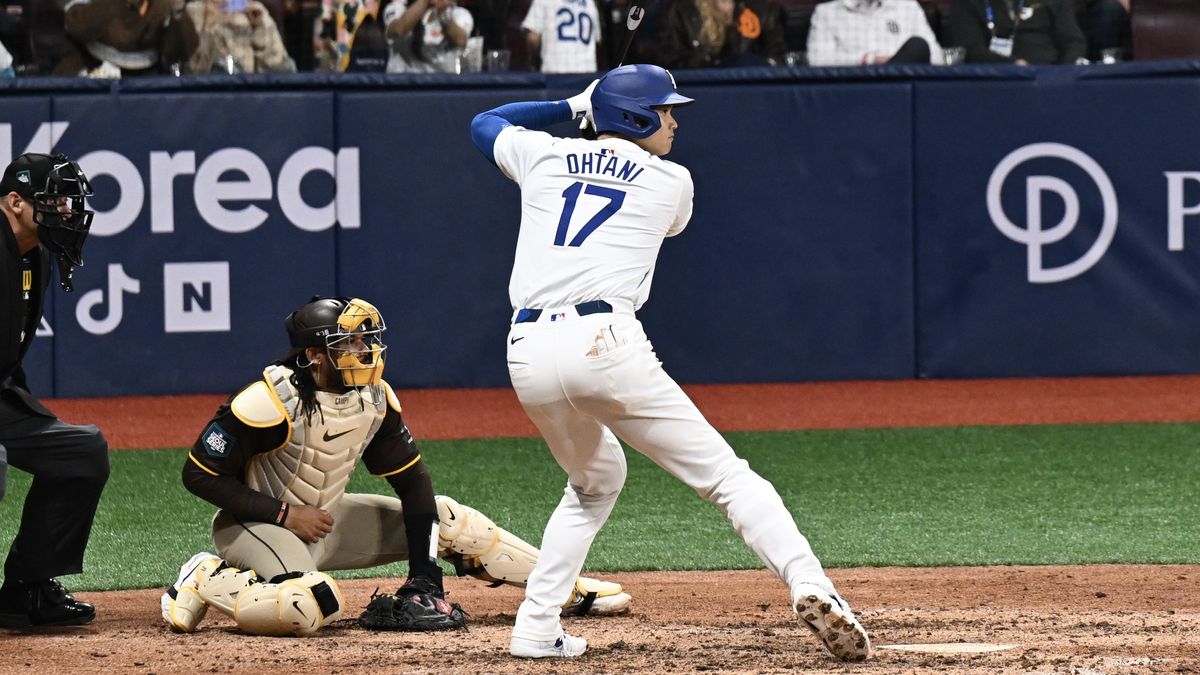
593	216
276	458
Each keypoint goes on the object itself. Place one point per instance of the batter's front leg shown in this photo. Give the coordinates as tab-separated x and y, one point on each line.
595	466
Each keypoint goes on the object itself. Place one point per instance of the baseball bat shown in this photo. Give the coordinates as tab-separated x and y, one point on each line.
633	19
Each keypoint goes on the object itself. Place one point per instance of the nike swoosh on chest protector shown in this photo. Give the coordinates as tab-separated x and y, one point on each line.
328	437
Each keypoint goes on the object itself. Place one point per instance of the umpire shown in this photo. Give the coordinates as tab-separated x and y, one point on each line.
43	200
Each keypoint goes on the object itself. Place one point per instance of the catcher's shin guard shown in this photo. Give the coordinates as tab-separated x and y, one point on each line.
182	607
477	547
292	604
483	550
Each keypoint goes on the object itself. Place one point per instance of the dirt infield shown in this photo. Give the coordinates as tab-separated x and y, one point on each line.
1100	619
1094	619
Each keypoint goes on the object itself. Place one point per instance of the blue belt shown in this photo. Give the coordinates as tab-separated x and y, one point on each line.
583	309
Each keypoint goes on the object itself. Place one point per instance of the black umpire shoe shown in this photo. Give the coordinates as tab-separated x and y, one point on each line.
41	603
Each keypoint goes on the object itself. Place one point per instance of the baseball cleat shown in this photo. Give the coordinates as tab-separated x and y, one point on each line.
598	598
830	619
565	646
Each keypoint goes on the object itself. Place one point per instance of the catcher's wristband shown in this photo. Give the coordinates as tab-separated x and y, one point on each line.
284	508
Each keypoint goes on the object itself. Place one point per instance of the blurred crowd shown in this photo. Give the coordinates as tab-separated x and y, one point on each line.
121	38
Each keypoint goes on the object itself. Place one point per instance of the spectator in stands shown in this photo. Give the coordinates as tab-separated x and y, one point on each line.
47	36
562	35
714	33
1105	25
14	35
6	63
862	32
119	38
492	19
426	36
1016	31
336	28
241	29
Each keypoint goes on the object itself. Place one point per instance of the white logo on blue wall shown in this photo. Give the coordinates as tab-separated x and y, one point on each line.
1034	235
228	188
119	283
196	297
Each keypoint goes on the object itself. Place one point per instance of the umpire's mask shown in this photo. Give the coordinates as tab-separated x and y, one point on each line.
57	189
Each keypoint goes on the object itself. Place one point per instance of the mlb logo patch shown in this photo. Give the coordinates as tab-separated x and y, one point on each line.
216	441
23	177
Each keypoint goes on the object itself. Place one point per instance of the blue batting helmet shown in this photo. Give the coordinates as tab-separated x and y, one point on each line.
622	101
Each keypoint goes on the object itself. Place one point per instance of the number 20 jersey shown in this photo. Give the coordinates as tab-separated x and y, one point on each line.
593	216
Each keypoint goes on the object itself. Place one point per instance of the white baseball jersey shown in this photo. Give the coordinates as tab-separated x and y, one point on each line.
844	32
570	30
593	217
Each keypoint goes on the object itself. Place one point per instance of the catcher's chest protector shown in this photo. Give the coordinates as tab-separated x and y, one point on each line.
315	463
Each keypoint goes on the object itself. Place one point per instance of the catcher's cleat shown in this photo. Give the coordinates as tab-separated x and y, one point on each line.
830	619
598	598
565	646
182	608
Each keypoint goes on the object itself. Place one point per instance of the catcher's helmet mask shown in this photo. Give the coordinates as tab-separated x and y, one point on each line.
625	99
57	189
349	330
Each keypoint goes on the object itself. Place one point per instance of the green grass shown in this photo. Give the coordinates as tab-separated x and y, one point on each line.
910	497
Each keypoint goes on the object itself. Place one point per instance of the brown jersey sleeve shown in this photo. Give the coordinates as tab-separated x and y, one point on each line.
216	466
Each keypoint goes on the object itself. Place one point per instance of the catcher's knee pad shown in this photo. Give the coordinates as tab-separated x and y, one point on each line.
462	529
592	596
295	604
479	548
219	585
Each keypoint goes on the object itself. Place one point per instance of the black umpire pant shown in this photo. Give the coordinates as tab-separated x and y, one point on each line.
69	464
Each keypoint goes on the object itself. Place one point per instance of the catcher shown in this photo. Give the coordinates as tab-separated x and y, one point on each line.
275	459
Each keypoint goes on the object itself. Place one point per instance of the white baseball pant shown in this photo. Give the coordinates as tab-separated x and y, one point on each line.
587	380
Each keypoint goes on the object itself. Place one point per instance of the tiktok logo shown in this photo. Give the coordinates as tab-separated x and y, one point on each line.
1035	235
118	284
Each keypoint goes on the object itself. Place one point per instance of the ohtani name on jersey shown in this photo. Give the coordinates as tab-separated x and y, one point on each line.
604	163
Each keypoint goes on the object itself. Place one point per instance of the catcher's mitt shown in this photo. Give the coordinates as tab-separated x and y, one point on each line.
415	607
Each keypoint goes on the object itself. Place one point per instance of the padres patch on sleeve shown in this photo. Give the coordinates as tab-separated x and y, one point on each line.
217	443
